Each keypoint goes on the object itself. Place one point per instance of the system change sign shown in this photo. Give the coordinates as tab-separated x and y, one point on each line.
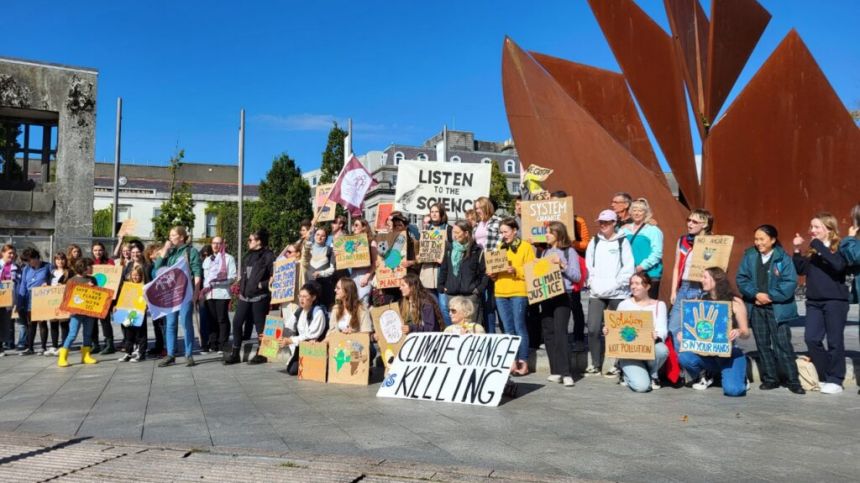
466	369
421	184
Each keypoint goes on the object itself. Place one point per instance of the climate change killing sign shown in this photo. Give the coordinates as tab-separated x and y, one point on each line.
421	184
465	369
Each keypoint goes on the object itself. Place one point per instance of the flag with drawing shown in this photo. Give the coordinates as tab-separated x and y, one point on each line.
351	186
169	290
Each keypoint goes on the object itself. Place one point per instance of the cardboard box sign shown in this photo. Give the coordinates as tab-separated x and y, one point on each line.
496	261
283	285
348	358
325	208
127	228
543	280
631	334
383	211
351	251
130	305
432	246
392	251
421	184
313	361
388	327
538	214
272	333
538	173
46	303
7	293
108	276
87	300
705	328
710	251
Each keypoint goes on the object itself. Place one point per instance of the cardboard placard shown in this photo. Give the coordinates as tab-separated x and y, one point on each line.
108	276
283	285
348	358
543	280
392	251
272	333
538	214
7	293
420	184
127	228
388	327
455	368
351	251
313	361
496	261
87	300
630	334
710	251
383	211
538	173
325	208
46	303
431	246
130	305
705	328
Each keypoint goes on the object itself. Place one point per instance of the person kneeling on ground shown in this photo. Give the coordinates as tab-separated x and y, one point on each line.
308	323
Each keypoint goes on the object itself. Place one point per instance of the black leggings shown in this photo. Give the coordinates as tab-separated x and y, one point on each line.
59	332
219	323
31	331
249	315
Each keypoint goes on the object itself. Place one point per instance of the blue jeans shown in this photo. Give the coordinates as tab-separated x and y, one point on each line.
489	309
171	329
75	323
638	374
687	291
733	369
442	298
512	311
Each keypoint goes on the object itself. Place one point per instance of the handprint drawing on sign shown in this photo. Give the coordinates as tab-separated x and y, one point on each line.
708	324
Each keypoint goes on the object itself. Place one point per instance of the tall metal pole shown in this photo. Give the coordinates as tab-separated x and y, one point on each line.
239	245
347	155
116	155
445	140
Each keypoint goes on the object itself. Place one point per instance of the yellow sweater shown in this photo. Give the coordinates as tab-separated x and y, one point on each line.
514	284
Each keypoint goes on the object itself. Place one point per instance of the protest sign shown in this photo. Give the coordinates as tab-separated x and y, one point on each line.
383	211
348	358
108	276
466	369
630	334
392	249
46	303
388	327
709	251
420	184
272	333
323	206
537	173
496	261
537	215
351	251
88	300
169	290
283	285
706	327
431	247
7	292
127	228
543	280
130	305
313	360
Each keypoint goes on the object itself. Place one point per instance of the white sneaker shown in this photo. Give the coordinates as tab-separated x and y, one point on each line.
703	383
53	351
655	384
830	388
590	370
568	381
124	358
554	378
614	372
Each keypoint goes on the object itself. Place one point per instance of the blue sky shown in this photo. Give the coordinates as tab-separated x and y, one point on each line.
400	69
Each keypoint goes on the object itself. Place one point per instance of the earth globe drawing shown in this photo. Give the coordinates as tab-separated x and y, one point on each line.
705	329
628	333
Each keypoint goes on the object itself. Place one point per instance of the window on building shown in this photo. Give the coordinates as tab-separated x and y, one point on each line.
124	212
394	179
422	157
313	181
515	188
156	212
455	159
510	166
487	161
212	224
398	157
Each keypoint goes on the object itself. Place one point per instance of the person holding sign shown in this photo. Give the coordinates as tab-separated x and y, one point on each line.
320	262
646	241
487	237
555	312
429	271
8	273
83	275
60	273
826	299
308	323
767	281
699	222
609	261
100	258
733	369
349	316
363	276
418	306
511	291
35	273
135	338
463	271
641	376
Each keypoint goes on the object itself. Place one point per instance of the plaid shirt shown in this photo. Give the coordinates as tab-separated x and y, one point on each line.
493	236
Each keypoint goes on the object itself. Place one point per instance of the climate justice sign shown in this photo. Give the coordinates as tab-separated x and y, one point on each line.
421	184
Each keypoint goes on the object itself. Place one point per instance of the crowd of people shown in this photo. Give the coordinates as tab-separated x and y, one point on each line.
619	268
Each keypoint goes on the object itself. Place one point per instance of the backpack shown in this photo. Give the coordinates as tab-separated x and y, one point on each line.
583	271
807	374
620	241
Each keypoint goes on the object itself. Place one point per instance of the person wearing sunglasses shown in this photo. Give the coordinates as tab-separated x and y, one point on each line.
462	313
699	222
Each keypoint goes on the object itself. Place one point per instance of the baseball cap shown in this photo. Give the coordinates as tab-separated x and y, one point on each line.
607	215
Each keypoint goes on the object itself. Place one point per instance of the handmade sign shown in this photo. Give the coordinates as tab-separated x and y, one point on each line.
325	208
543	280
169	290
130	305
88	300
127	228
466	369
533	179
420	184
272	333
108	276
630	334
383	211
348	358
388	327
351	251
709	251
46	303
313	360
7	292
537	215
496	261
392	251
283	284
706	326
431	248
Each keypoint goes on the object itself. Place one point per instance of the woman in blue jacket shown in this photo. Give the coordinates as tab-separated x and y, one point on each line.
849	247
36	273
767	280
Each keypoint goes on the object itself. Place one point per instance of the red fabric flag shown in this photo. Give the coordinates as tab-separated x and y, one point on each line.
672	367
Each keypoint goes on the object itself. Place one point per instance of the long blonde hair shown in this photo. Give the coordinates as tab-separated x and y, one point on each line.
832	224
483	205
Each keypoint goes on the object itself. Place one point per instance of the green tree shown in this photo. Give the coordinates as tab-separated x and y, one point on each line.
102	220
284	202
9	132
499	189
227	220
178	209
332	157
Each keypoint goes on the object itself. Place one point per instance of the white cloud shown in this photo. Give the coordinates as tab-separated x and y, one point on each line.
323	123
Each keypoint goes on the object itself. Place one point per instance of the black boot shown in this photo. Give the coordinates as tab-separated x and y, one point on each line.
233	358
109	347
258	359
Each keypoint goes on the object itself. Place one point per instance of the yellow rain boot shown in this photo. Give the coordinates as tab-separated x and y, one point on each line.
63	358
85	356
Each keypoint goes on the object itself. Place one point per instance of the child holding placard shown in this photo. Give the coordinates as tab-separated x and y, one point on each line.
135	337
59	274
36	273
83	275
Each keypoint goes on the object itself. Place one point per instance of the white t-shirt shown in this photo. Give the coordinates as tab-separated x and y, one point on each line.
658	311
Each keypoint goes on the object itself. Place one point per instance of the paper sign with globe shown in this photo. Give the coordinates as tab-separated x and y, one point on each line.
87	300
348	358
108	276
706	327
630	334
392	251
351	251
130	306
543	280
